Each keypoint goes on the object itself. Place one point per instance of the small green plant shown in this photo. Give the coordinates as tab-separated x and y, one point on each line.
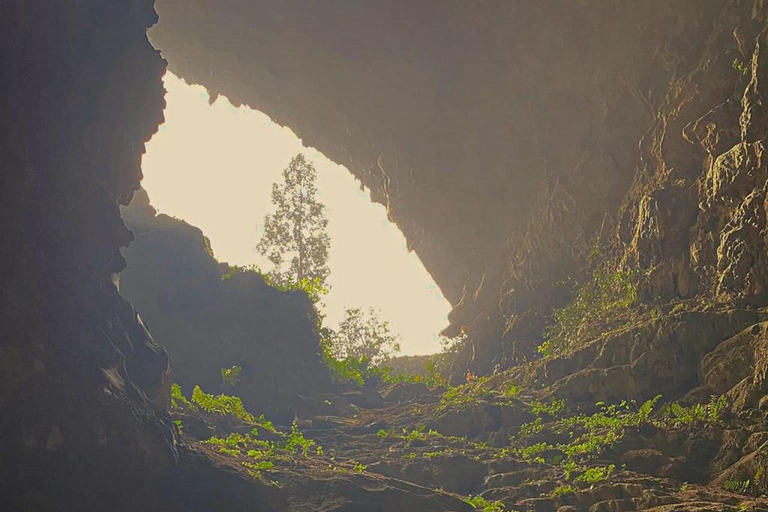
221	404
483	504
512	391
465	394
553	408
230	376
414	435
533	453
178	400
563	490
297	442
676	415
179	426
531	428
590	436
738	486
739	66
684	487
596	474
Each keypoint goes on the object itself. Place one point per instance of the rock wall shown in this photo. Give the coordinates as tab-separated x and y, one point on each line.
83	386
209	322
79	374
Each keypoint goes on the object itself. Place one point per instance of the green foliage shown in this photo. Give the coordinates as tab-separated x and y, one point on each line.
436	367
602	302
512	391
740	66
590	436
529	429
465	394
433	374
348	369
221	404
313	287
295	238
678	416
297	442
563	490
738	486
596	474
481	503
232	270
362	335
179	426
230	376
533	452
178	400
260	455
553	408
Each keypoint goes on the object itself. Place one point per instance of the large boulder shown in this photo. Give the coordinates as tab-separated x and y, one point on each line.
209	319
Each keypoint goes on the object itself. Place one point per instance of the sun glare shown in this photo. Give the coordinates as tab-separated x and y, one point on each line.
214	165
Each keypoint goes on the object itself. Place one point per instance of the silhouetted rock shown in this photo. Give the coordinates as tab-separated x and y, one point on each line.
209	322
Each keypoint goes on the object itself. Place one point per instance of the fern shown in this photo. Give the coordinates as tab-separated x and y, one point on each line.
221	404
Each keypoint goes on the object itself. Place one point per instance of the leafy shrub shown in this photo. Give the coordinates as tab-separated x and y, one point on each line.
602	302
362	334
230	376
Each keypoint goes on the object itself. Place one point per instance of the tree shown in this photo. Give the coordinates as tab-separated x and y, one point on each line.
363	334
295	236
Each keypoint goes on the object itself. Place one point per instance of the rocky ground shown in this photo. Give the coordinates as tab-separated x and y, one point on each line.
528	439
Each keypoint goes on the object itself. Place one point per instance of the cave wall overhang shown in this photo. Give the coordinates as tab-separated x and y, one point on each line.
503	137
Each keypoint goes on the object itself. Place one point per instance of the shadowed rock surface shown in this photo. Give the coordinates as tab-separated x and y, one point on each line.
209	320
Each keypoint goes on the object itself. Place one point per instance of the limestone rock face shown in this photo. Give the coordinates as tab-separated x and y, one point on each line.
209	322
505	136
82	383
84	387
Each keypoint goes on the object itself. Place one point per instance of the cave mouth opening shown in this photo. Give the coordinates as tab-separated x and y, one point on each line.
213	165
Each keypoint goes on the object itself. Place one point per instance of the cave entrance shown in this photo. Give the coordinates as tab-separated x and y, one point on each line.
213	165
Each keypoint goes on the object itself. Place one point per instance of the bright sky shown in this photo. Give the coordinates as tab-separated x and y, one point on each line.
214	165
